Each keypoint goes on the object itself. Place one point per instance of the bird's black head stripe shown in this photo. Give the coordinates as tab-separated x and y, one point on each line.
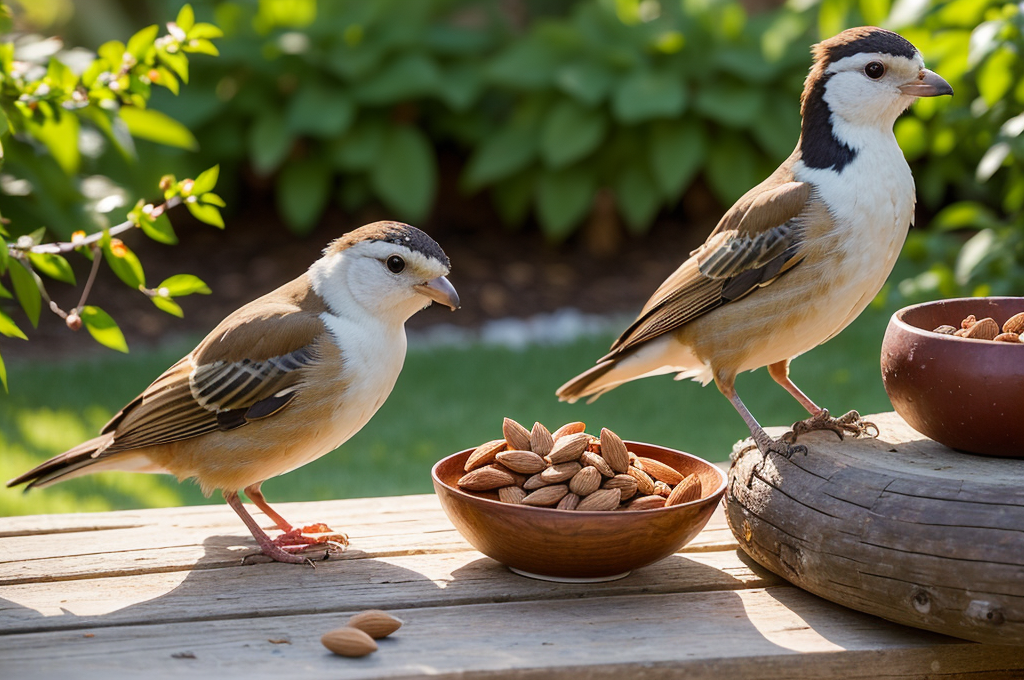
393	232
865	41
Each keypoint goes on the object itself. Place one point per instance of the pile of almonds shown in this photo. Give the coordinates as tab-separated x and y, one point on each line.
987	329
572	470
359	637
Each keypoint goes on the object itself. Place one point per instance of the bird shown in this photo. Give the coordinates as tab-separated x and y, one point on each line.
280	382
799	256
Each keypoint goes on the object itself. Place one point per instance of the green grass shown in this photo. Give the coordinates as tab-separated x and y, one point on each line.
446	400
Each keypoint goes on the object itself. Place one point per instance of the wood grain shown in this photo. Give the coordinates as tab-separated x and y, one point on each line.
898	526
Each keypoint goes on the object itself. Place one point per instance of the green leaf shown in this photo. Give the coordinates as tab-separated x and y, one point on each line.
213	199
973	255
404	176
732	169
205	213
586	80
184	284
269	142
646	95
204	31
320	110
60	135
360	147
168	305
526	64
460	86
158	127
730	103
3	367
500	155
103	329
26	289
995	77
159	229
125	264
637	195
9	328
206	180
186	18
303	188
570	132
407	77
512	197
965	215
112	52
52	265
677	150
140	43
563	199
176	61
912	136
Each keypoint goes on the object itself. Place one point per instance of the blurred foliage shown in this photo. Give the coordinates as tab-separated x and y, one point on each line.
50	100
551	104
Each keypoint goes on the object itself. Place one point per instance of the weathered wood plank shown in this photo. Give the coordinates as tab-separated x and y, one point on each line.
886	526
386	583
164	540
768	633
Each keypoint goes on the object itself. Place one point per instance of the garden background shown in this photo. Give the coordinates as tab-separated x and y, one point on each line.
566	154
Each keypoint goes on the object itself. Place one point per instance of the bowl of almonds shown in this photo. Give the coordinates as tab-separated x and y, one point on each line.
576	507
954	370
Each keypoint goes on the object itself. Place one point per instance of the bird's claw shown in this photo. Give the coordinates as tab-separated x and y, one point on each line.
311	535
848	423
781	446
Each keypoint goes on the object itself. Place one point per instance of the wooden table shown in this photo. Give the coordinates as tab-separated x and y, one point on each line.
161	594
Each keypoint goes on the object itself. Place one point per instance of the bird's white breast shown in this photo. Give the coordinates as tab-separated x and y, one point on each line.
872	203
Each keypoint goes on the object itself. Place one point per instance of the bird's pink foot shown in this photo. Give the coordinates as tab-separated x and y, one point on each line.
780	446
849	423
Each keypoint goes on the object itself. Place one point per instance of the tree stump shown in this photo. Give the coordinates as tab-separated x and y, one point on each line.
899	526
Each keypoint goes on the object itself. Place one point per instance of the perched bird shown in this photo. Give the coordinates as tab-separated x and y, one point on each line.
800	255
280	382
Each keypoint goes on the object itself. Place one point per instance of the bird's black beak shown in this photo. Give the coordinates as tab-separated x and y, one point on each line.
927	84
439	290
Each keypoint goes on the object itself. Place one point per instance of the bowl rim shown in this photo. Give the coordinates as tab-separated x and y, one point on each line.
897	317
719	490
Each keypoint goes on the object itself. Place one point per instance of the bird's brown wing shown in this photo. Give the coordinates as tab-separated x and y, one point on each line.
755	242
222	385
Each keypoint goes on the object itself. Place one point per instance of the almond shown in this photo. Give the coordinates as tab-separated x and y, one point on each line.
525	462
517	478
586	481
569	502
535	482
983	329
541	440
658	470
561	472
484	454
568	428
662	489
517	436
602	499
945	329
1007	337
644	483
485	479
685	491
624	483
348	642
646	503
962	333
569	447
596	461
513	495
546	496
1015	324
614	451
375	623
968	322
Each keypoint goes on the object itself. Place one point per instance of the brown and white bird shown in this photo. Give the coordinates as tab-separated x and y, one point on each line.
800	255
280	382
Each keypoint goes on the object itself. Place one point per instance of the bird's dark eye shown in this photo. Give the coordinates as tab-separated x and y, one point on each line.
395	264
874	70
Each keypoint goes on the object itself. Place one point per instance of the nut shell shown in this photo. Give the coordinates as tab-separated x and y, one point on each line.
613	450
586	481
660	471
349	642
646	503
596	461
546	496
1007	337
517	436
685	491
569	428
526	462
644	482
569	502
485	479
983	329
626	485
1015	324
513	495
602	499
375	623
541	440
568	447
484	454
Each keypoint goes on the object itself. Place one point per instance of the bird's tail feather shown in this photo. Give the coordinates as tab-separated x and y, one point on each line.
74	462
587	384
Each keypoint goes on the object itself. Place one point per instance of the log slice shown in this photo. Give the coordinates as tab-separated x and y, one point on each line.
899	526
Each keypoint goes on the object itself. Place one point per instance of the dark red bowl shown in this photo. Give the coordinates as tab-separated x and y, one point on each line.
570	545
967	394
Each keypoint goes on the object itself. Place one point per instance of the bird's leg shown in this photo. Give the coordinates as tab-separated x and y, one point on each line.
849	423
294	537
267	546
761	438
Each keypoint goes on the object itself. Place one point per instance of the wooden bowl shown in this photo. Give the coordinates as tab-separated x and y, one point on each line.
575	546
964	393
